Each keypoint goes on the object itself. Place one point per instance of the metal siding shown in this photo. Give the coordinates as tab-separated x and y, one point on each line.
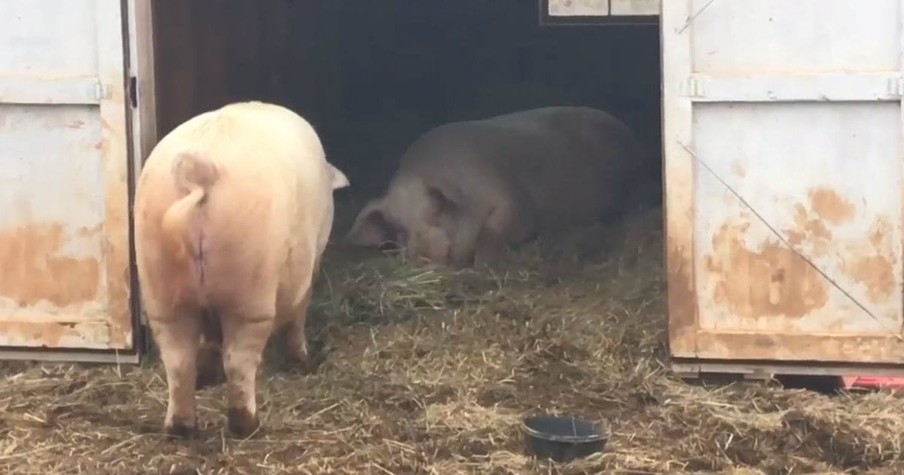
567	8
578	7
783	147
64	240
634	7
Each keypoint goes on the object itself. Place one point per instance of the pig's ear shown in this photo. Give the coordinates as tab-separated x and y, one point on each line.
371	228
337	178
439	203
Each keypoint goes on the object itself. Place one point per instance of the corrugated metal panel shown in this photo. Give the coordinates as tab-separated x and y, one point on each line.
783	141
64	238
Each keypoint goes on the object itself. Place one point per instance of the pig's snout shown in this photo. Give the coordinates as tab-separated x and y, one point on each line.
429	245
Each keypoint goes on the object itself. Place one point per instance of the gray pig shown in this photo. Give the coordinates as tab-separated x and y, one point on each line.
465	190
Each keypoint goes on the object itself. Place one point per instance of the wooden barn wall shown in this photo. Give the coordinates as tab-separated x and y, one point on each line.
212	52
372	75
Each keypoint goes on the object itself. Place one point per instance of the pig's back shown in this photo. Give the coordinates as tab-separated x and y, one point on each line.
572	162
564	141
301	166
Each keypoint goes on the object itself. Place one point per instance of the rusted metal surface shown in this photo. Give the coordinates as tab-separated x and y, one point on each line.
819	251
784	217
64	237
678	175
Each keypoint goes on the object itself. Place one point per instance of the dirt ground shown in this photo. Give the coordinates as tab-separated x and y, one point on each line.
421	371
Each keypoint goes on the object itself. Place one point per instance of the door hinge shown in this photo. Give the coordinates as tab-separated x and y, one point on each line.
895	87
100	91
691	88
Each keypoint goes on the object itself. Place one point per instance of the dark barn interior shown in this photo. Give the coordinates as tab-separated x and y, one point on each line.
371	76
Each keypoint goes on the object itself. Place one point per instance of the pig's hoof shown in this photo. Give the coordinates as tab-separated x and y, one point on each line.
241	422
299	354
180	430
297	348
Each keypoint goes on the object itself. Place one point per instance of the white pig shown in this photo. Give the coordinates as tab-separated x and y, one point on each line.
465	190
233	211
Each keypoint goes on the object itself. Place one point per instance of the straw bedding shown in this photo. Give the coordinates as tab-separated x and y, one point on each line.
428	371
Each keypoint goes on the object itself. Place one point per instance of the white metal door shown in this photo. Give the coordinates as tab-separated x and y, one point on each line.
783	167
65	278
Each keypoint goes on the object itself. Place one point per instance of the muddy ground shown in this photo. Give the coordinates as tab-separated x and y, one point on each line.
422	371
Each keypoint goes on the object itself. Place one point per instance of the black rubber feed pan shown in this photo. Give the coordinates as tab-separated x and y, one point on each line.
563	439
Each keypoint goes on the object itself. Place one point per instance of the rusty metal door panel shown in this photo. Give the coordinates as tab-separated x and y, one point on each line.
784	179
64	235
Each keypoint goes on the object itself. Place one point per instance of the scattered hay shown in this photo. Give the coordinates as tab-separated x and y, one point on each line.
424	371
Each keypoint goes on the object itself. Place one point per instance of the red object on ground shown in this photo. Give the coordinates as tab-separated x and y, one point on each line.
871	382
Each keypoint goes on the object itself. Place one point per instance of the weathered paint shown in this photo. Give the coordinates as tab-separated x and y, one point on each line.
634	7
64	217
578	7
678	176
36	269
784	179
753	277
564	8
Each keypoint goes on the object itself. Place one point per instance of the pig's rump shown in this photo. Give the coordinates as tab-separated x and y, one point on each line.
232	249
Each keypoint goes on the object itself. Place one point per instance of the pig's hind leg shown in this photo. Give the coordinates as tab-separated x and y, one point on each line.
178	336
296	341
245	335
